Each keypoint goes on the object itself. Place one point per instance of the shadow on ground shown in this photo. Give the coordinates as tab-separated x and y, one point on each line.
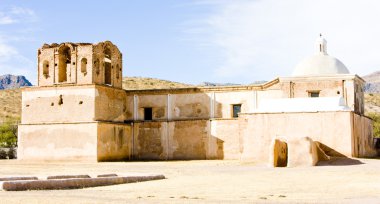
339	161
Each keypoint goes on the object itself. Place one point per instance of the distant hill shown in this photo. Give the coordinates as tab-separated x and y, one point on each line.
217	84
138	83
372	82
11	82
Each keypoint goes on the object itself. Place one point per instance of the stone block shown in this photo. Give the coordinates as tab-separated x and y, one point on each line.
76	183
302	152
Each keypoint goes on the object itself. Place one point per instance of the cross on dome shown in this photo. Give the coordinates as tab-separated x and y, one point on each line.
321	45
320	64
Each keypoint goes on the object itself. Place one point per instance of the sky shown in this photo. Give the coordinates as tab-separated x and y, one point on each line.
234	41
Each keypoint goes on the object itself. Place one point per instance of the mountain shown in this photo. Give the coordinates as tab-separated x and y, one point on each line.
11	82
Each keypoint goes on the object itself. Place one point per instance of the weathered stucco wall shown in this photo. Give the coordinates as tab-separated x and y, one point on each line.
110	104
79	63
150	140
363	141
189	139
45	59
114	142
225	100
171	140
190	106
333	129
268	94
327	88
84	65
158	103
58	104
350	87
58	142
104	50
225	141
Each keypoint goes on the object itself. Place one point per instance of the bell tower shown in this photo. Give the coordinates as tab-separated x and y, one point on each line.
80	63
77	111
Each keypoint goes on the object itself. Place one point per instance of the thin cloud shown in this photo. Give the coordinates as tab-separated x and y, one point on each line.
6	20
263	39
11	60
17	15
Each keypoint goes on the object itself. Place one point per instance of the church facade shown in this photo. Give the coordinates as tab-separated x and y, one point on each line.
79	111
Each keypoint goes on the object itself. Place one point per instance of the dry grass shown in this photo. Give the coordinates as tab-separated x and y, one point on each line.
372	103
138	83
10	104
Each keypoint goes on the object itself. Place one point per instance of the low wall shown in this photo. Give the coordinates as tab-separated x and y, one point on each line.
75	142
57	142
333	129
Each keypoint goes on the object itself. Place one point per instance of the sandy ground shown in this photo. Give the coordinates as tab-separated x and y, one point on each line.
208	182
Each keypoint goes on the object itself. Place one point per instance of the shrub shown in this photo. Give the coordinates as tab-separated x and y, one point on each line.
8	134
3	154
11	153
376	124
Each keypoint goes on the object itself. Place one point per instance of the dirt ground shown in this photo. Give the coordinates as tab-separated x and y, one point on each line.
347	181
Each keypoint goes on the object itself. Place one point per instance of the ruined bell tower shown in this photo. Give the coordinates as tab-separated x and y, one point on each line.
77	110
79	63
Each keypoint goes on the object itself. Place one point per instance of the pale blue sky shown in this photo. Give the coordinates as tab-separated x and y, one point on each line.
236	41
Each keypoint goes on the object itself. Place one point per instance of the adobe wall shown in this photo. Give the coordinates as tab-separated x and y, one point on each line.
114	142
188	139
158	104
333	129
100	51
197	105
225	100
188	106
84	64
63	104
110	104
350	87
362	137
58	104
58	142
171	140
46	58
225	141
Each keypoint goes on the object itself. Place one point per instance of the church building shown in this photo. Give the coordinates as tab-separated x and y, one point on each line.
79	112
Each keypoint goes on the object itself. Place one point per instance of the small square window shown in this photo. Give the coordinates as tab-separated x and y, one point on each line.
148	114
313	94
236	109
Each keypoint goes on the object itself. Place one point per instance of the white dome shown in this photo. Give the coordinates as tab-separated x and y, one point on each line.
320	63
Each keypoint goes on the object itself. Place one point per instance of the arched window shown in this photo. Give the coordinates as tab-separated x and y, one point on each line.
107	66
83	66
45	68
64	63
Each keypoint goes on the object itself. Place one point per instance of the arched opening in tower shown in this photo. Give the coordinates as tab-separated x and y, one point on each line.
107	66
64	63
